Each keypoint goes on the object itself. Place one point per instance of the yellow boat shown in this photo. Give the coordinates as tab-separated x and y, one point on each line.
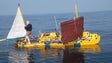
87	39
51	40
72	35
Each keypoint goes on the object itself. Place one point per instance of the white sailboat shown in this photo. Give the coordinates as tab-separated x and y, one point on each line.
17	30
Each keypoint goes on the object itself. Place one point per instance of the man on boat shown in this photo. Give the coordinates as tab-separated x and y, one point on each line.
28	29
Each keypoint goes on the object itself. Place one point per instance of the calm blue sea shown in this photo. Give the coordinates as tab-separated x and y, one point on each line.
95	22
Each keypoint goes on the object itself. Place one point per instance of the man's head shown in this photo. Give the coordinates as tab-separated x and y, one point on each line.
27	22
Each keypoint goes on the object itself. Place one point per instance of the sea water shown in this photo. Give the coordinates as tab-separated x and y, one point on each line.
95	22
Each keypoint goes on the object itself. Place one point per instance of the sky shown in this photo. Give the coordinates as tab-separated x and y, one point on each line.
9	7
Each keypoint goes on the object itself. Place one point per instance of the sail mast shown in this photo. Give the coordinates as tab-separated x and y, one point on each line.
19	8
76	10
72	29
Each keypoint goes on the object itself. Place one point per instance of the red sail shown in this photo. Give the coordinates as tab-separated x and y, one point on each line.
72	29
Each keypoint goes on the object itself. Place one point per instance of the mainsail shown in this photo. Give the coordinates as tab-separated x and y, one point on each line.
17	30
72	29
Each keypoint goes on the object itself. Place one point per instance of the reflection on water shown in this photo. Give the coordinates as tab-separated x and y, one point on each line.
29	56
87	48
20	56
52	52
90	49
35	55
73	56
76	55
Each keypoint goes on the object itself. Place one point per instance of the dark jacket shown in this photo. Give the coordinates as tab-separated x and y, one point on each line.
28	27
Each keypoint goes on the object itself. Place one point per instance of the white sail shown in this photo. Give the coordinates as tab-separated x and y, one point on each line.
17	30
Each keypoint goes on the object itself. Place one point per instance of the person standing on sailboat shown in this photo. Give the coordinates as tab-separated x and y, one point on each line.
28	29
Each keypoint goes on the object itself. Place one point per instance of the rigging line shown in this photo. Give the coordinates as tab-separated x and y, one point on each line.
56	23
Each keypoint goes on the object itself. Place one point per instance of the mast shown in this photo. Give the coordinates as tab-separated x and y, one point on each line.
72	29
19	8
76	10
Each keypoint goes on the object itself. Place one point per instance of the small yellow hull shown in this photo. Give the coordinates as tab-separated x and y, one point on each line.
41	45
37	45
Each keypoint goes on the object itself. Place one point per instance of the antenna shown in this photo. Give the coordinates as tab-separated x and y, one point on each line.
39	32
56	23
